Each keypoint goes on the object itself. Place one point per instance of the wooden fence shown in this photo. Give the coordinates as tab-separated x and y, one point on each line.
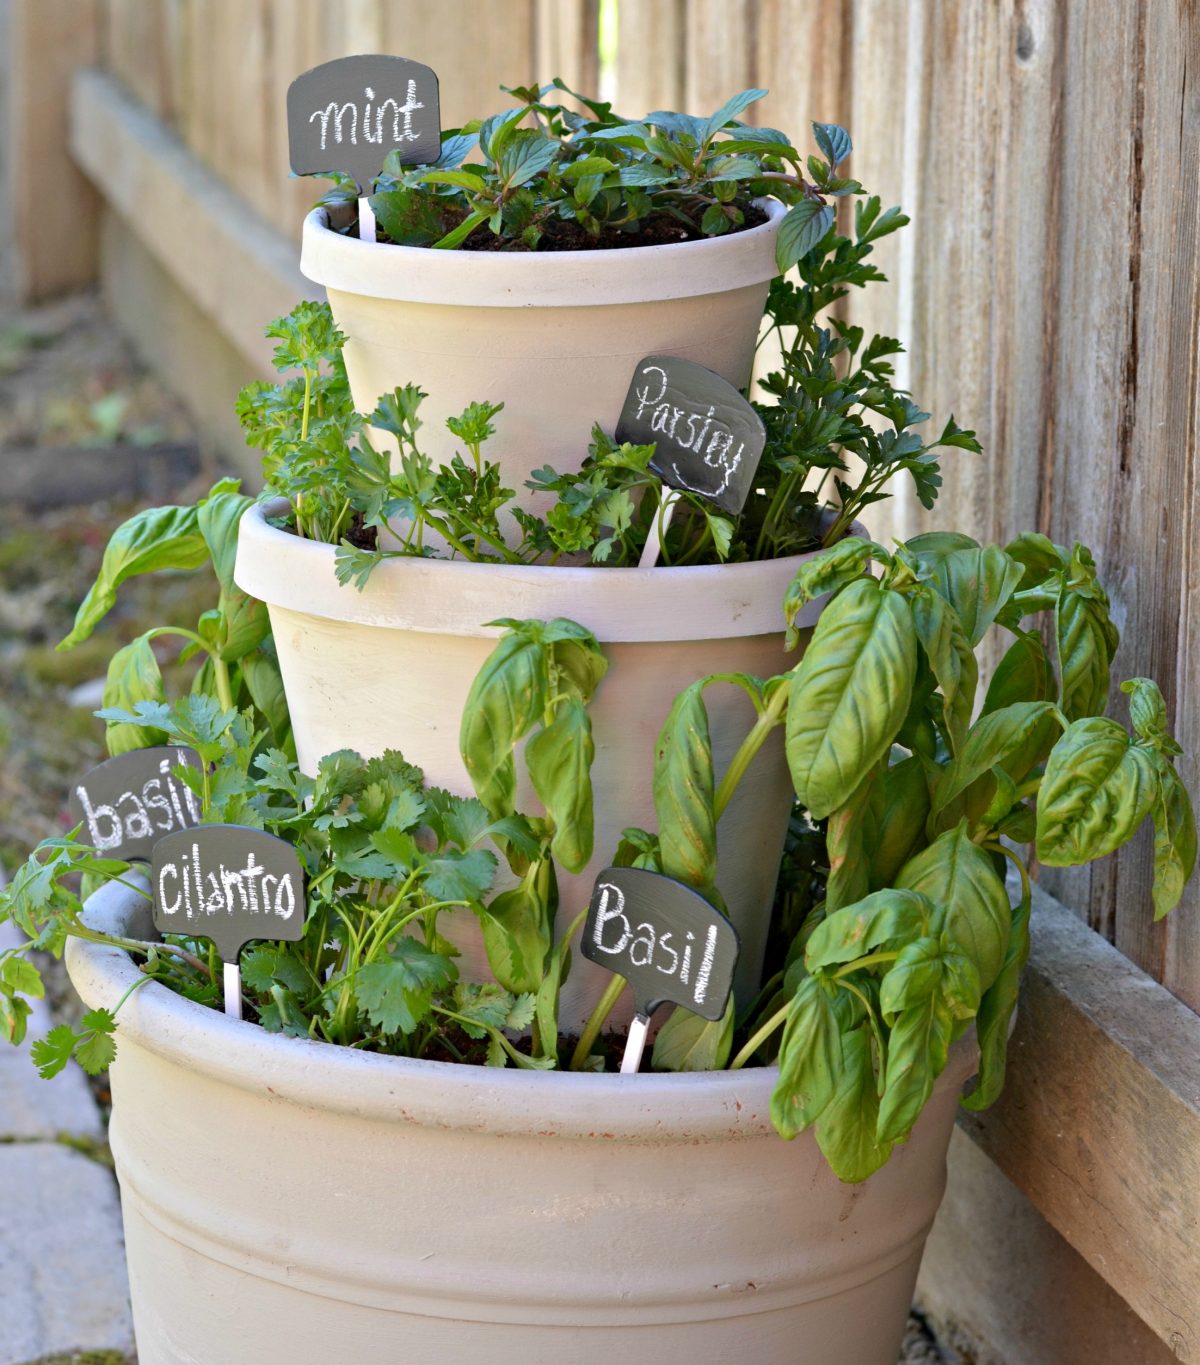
1048	290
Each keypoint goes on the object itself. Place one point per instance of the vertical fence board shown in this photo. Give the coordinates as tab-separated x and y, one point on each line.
137	50
499	49
651	55
720	52
565	43
295	45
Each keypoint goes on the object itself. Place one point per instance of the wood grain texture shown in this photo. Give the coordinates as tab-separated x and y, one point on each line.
1048	294
474	49
565	43
52	213
235	269
1099	1123
651	55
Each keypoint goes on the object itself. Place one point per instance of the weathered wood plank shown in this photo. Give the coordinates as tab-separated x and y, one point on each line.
1099	1123
138	50
565	43
296	44
651	55
238	271
499	49
720	52
51	210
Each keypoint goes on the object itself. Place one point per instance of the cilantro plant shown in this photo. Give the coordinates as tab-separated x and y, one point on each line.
386	858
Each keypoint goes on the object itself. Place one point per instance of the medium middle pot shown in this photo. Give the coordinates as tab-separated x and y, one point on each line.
554	336
390	667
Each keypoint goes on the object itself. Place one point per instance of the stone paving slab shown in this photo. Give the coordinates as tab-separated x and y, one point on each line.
62	1256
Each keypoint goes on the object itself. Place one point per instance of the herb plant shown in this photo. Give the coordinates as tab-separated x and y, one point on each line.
894	930
542	176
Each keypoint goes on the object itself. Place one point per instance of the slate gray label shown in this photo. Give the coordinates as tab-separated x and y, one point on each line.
229	884
127	804
663	938
348	114
708	439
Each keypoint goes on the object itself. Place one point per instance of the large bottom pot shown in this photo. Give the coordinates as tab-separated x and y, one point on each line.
293	1203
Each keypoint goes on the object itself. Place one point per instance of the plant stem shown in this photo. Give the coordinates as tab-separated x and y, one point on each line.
749	748
604	1007
221	678
760	1036
871	960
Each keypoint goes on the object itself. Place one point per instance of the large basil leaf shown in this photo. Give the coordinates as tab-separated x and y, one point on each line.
1022	675
684	790
959	878
1083	655
826	572
1174	840
846	1129
133	676
506	698
901	821
576	656
1038	557
951	658
518	933
850	835
1015	738
849	694
976	581
917	1050
996	1011
1148	713
1098	787
559	761
810	1060
156	538
260	673
875	920
686	1042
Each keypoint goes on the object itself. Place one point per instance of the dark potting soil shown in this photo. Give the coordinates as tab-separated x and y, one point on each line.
558	234
360	535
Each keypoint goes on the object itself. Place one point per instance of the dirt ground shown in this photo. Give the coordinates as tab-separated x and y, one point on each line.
68	384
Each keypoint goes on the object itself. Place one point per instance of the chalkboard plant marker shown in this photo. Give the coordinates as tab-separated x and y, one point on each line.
128	803
229	884
667	942
708	439
348	114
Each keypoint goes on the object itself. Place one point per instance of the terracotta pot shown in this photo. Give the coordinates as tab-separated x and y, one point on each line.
554	336
390	668
288	1202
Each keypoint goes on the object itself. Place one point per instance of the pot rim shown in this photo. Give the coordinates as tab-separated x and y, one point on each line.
564	279
457	597
668	1106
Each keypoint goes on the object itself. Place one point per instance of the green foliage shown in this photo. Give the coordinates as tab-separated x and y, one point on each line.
541	168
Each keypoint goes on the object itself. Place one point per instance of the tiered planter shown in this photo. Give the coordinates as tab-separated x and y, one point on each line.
390	668
552	336
292	1201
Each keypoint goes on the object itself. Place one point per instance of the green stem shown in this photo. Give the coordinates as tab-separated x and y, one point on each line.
307	403
749	748
760	1036
599	1016
871	960
221	678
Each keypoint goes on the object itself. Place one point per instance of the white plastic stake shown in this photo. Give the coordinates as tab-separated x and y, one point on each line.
366	220
658	528
233	990
635	1045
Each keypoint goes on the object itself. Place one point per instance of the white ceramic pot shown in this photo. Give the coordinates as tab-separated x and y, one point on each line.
554	336
390	668
295	1203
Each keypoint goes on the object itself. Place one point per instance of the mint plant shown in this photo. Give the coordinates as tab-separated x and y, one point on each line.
543	177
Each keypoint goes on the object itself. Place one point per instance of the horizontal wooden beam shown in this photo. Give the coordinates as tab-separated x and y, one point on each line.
1099	1123
239	271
